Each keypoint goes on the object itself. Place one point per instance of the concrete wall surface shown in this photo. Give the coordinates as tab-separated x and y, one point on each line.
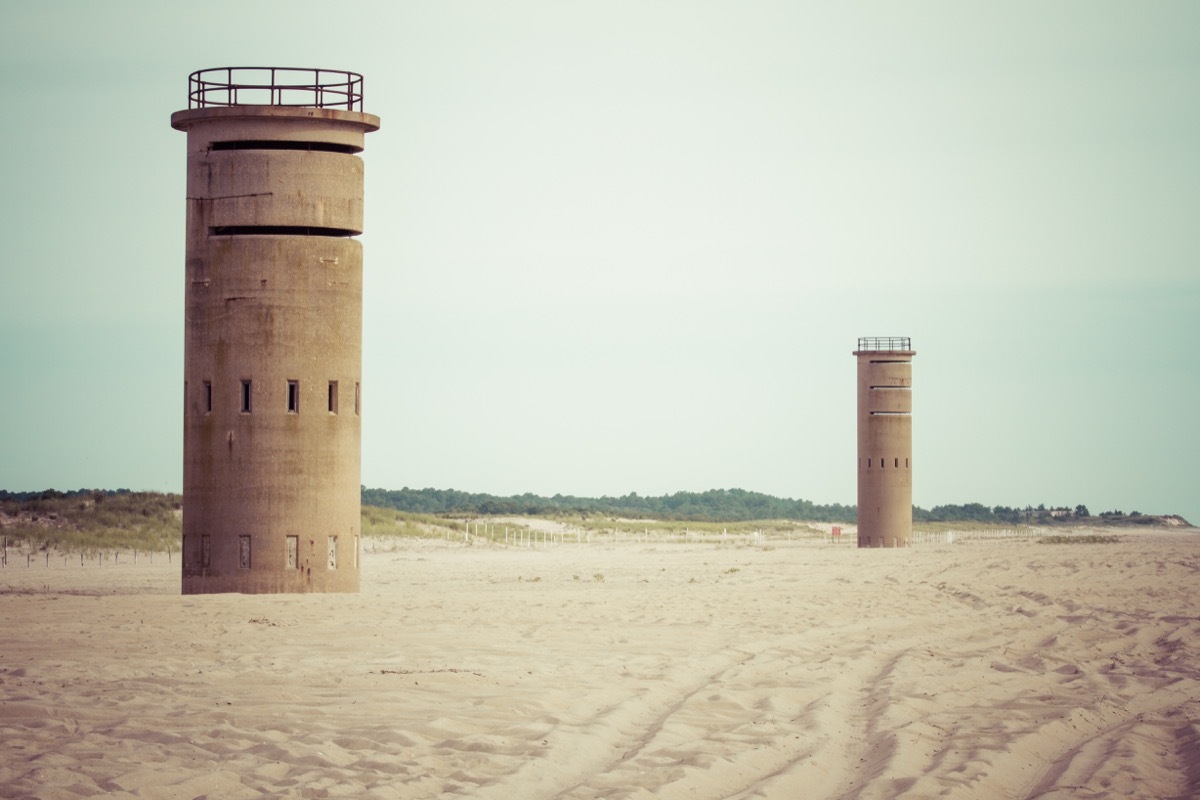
273	350
884	448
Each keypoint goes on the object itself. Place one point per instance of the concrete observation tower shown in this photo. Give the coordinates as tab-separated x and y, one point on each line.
273	330
884	441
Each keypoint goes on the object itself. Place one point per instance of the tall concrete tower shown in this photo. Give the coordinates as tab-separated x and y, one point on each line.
273	330
884	441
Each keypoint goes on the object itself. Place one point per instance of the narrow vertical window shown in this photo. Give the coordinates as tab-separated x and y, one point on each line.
333	398
356	552
293	397
245	397
906	463
207	399
244	552
293	552
897	464
205	551
332	550
357	398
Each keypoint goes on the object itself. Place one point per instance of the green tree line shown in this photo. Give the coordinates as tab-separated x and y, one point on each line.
714	505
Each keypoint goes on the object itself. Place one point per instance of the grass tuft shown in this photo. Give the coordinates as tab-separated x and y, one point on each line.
378	521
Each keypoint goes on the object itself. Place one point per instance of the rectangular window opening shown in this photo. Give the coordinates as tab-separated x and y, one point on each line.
293	552
207	397
205	551
332	550
244	552
357	398
280	230
245	397
333	397
293	397
266	144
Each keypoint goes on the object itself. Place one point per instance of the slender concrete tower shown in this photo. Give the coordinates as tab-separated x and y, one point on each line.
273	330
884	441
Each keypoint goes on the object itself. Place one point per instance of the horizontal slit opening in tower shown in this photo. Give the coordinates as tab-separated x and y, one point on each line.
890	361
263	144
279	230
891	413
888	388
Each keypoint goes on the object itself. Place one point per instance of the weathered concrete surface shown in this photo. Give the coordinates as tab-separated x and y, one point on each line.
884	448
272	471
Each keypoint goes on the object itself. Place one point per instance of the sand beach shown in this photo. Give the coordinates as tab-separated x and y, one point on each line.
779	669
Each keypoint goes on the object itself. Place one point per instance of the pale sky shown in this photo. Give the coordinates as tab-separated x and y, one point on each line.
629	246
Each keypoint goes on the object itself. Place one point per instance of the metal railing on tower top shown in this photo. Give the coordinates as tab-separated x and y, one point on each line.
297	87
866	343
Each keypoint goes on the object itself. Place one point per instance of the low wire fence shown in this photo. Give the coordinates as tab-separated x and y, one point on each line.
511	536
25	553
530	537
952	536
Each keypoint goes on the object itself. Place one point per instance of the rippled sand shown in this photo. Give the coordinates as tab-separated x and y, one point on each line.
983	669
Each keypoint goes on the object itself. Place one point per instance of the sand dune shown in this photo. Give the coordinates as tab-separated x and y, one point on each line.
986	669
